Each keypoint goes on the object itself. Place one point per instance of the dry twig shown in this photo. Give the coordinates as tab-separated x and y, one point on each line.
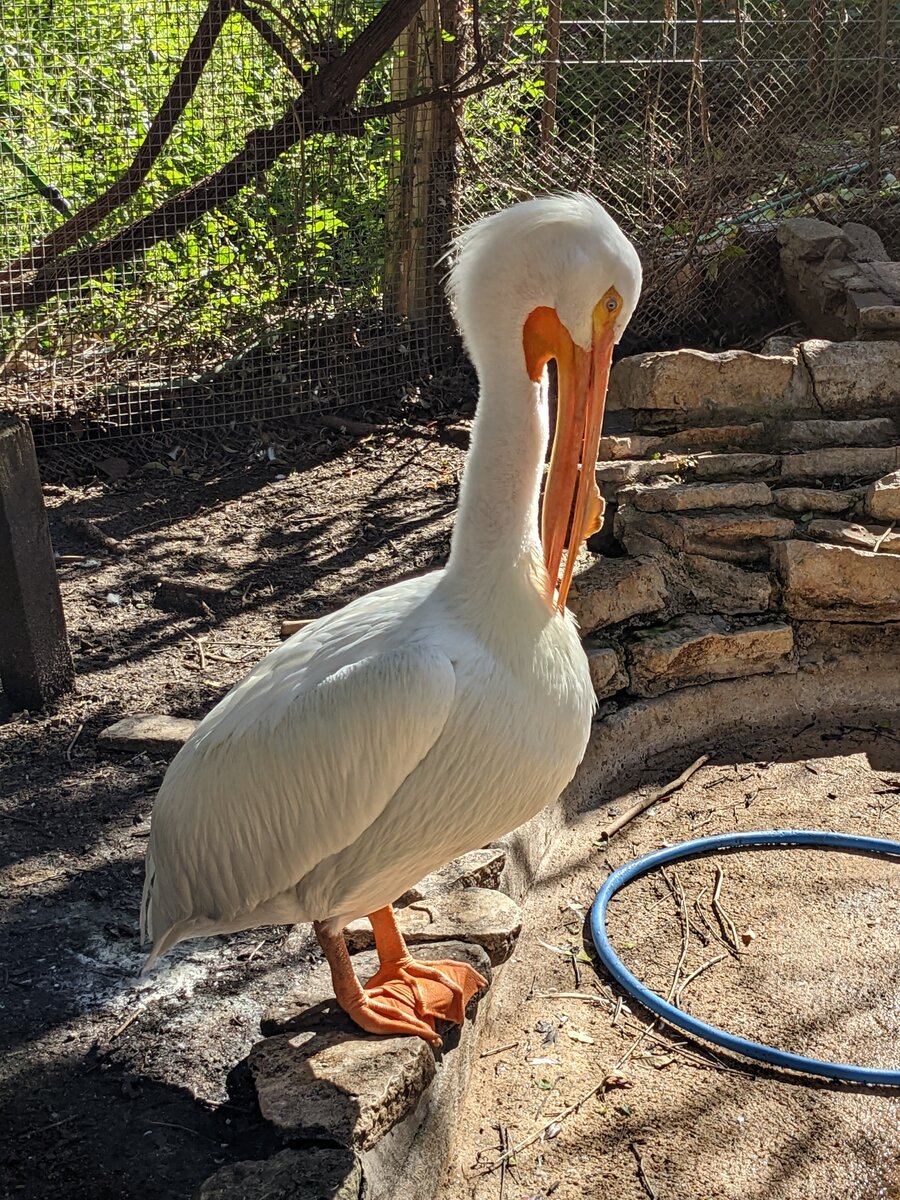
648	801
642	1174
729	932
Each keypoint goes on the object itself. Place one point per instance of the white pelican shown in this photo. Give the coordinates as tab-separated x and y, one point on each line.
432	716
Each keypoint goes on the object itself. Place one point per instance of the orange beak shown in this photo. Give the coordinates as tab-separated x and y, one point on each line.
572	502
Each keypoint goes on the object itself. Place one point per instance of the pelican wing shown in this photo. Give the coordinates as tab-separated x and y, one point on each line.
293	766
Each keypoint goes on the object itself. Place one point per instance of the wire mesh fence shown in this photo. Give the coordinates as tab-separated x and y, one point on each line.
215	212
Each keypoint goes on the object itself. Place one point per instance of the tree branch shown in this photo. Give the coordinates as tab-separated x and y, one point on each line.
323	108
177	99
273	40
444	93
50	193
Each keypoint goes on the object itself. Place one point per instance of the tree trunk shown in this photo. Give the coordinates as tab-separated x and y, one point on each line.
423	202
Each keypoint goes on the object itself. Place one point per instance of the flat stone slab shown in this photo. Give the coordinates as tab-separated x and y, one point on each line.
687	384
883	498
854	379
315	1173
877	538
729	536
148	731
478	868
329	1085
488	918
736	466
698	649
614	590
319	1076
844	462
688	496
838	583
817	435
607	668
806	499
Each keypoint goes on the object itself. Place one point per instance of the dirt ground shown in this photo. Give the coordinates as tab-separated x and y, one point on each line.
818	972
113	1087
175	579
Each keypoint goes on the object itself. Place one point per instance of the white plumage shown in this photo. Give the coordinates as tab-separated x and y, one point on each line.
427	718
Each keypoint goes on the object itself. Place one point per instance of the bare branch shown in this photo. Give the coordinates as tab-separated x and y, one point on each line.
177	98
323	108
445	93
273	40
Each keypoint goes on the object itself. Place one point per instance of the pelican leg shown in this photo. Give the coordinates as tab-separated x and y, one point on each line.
405	996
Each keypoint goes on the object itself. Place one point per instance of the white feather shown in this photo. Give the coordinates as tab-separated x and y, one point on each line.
425	719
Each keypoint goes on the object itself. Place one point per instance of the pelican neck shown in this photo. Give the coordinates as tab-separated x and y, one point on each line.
496	529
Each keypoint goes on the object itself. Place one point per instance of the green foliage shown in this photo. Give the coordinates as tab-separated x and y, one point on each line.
80	83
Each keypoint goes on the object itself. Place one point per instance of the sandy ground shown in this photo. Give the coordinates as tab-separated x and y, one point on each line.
818	973
113	1087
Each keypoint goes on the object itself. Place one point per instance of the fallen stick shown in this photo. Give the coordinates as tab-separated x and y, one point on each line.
654	798
288	628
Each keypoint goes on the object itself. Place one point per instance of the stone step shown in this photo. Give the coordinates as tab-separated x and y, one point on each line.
819	434
838	583
490	919
728	536
850	463
478	868
319	1076
678	388
697	649
807	499
613	590
684	497
313	1173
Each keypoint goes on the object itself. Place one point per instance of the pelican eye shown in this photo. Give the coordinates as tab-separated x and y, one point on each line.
612	304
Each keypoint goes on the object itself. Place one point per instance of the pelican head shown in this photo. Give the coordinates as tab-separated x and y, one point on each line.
552	278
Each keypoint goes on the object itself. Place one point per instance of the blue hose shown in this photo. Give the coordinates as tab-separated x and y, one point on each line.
710	1033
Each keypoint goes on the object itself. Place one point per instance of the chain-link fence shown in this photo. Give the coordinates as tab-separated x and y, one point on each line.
221	212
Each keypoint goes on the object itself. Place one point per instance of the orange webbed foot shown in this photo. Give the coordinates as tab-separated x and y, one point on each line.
410	996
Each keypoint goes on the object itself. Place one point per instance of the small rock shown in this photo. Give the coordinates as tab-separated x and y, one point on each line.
114	468
148	731
808	239
864	537
883	498
634	446
479	915
638	470
686	496
696	649
478	868
615	589
801	500
607	669
879	319
864	244
314	1173
328	1084
844	462
838	583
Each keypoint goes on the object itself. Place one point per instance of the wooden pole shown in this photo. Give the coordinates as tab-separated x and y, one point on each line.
35	663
